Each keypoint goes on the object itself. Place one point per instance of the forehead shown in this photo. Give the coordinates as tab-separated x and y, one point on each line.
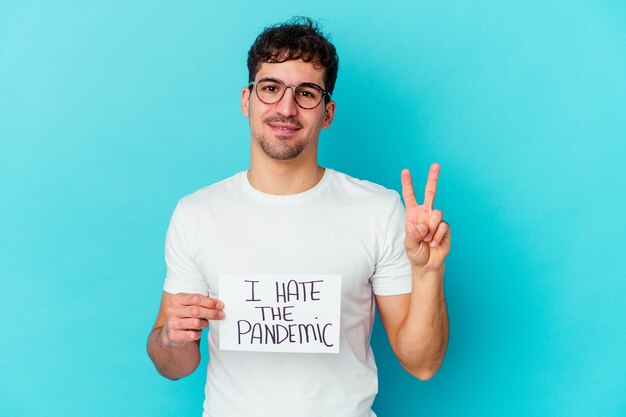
293	72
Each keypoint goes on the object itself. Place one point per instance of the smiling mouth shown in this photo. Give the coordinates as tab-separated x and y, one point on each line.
283	126
284	129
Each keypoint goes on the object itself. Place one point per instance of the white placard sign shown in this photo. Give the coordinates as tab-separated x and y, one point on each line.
280	313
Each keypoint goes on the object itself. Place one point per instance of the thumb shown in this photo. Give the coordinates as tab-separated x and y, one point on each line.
421	230
416	234
417	250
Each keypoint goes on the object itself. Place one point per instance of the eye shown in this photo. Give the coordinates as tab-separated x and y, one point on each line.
269	87
308	92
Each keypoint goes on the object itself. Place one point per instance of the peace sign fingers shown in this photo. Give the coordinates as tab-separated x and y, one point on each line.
429	193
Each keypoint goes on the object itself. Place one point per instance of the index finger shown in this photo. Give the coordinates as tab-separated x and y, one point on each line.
407	189
431	186
200	300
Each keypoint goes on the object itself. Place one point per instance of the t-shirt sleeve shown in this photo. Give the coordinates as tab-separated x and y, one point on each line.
392	275
183	274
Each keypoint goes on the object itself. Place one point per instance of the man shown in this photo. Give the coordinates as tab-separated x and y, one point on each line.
288	215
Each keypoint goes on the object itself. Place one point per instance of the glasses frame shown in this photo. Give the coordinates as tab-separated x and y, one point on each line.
325	93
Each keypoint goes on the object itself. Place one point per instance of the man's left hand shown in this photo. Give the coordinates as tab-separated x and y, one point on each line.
427	235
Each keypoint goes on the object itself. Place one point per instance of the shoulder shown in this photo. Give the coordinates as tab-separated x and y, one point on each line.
211	193
361	190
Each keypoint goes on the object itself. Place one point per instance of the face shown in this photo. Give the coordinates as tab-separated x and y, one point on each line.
283	130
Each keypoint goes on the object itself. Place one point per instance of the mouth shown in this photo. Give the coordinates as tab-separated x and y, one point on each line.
284	129
283	126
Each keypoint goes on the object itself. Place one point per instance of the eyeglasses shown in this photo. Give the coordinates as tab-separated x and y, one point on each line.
272	90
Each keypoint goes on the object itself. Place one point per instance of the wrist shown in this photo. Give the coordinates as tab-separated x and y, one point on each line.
426	271
427	279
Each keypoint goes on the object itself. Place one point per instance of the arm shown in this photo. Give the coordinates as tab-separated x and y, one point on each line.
173	344
417	323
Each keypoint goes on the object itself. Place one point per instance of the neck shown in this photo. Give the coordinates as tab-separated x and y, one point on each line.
284	178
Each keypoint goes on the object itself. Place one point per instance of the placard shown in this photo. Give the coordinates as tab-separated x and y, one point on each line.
280	313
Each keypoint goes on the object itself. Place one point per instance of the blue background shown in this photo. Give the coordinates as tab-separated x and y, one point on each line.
110	111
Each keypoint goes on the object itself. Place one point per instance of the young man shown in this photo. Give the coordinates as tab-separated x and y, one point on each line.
288	215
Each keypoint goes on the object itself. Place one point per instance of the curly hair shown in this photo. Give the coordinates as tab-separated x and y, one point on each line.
298	38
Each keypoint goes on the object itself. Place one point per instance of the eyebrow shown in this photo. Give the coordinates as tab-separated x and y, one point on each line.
306	83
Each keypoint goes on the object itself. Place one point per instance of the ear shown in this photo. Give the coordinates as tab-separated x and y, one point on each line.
329	114
245	101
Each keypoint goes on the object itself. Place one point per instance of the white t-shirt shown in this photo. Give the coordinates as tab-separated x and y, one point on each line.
342	226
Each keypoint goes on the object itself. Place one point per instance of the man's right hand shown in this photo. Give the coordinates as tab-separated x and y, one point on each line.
186	316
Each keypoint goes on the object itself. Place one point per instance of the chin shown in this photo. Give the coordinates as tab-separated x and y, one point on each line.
288	155
281	151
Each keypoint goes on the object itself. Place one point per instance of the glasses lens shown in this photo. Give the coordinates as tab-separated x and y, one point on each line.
270	91
308	96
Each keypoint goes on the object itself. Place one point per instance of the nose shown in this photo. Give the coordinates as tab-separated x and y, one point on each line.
287	105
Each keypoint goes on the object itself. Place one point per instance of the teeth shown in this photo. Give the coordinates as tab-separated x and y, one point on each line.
285	128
